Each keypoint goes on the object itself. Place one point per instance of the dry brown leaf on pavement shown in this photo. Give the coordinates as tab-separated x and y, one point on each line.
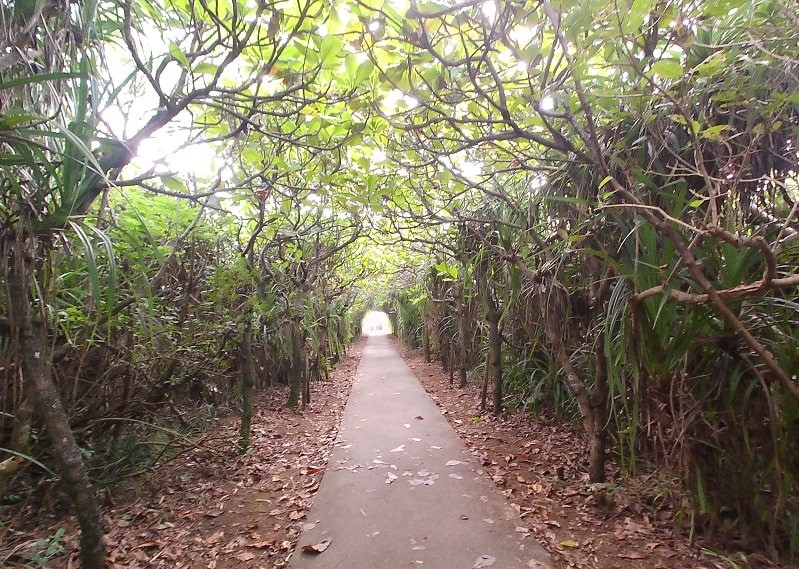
318	547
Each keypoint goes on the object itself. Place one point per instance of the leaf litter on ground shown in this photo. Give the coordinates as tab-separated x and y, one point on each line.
214	508
540	466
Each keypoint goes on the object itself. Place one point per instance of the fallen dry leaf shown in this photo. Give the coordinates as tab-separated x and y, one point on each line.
214	538
318	547
245	556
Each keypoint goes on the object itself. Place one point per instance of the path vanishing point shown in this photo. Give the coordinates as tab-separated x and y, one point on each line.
401	489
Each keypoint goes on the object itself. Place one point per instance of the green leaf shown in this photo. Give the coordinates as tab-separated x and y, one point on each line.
174	184
365	71
432	8
12	159
711	65
371	182
112	279
639	10
39	78
329	50
91	259
668	68
447	270
351	64
714	132
177	53
205	68
14	118
721	7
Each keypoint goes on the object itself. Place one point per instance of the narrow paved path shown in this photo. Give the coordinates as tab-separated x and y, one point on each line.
401	489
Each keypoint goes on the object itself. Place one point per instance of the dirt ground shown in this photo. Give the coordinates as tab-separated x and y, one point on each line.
212	508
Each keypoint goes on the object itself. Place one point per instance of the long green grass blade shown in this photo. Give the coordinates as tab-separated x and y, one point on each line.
39	78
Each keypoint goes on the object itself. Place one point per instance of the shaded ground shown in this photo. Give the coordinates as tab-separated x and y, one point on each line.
209	508
541	465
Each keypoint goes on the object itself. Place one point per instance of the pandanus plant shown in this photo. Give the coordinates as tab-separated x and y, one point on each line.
51	173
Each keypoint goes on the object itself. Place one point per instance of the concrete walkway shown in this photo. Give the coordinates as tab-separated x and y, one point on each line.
401	489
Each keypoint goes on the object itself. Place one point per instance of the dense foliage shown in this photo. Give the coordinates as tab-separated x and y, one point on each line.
588	207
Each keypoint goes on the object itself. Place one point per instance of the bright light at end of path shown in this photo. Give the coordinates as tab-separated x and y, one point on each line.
376	324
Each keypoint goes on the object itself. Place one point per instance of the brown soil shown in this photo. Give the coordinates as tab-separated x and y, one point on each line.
210	507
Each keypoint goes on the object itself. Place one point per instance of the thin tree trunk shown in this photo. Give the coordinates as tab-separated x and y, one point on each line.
486	375
495	356
426	343
67	454
295	371
451	362
599	406
247	383
462	349
575	385
47	405
306	377
493	315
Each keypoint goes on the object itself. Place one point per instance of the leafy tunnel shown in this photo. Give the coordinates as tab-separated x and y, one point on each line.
590	209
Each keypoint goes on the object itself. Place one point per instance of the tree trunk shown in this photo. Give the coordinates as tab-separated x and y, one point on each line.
575	385
426	343
67	454
451	362
486	375
495	356
493	314
247	382
599	406
462	349
306	376
295	371
593	410
47	405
